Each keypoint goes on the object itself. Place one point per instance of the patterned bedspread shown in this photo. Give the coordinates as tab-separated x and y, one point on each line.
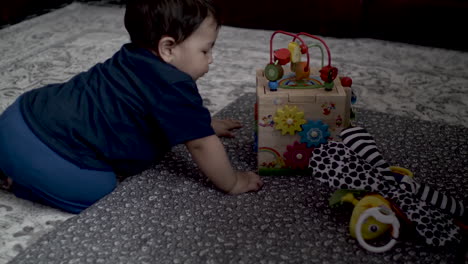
400	80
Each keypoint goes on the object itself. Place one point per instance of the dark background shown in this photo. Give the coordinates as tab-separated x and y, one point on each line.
437	23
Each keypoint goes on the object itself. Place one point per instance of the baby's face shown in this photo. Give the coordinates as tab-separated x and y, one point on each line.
194	55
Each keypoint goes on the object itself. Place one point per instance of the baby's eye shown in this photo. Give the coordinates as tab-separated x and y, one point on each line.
207	51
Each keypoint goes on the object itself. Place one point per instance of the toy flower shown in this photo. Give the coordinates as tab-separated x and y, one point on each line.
314	133
339	121
289	120
297	156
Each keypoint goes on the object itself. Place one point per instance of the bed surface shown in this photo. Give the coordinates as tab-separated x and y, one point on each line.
170	213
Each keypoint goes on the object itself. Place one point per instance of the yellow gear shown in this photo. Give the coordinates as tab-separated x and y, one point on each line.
289	120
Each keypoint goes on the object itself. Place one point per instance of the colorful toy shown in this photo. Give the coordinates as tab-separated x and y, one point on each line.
297	104
392	194
301	69
372	216
303	116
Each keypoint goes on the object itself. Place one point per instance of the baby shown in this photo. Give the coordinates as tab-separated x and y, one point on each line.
64	144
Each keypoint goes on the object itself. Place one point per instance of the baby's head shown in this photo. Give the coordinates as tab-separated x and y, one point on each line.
180	32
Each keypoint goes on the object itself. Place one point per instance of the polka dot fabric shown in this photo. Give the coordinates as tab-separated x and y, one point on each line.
341	168
345	165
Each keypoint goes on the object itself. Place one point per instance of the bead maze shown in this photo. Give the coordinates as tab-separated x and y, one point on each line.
298	106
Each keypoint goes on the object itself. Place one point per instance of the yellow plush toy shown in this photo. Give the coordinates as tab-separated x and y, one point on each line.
372	216
371	228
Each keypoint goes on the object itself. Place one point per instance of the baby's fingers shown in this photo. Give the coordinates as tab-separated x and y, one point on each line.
233	124
255	182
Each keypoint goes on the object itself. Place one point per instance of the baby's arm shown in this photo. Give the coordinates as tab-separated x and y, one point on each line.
211	158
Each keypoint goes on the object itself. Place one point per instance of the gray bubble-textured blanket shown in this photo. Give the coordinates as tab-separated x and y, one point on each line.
171	214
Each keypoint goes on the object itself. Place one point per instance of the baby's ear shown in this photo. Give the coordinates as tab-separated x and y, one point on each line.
165	48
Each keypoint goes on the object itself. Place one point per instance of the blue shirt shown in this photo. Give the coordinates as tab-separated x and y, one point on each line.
123	113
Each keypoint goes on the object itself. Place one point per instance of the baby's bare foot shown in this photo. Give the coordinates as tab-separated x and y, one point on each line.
5	182
9	183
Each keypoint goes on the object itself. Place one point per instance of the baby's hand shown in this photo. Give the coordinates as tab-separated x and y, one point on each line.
224	127
246	181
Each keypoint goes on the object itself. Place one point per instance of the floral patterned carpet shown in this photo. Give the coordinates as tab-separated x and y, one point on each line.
419	82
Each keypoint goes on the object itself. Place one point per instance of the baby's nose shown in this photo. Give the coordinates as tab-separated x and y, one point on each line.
210	58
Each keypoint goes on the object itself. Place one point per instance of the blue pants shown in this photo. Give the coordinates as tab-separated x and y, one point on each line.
41	175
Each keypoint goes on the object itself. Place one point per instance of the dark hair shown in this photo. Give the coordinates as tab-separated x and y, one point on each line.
147	21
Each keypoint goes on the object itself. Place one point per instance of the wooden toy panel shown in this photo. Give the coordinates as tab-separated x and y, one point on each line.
331	107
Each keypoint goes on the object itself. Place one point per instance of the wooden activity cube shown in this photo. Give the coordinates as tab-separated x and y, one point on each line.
291	122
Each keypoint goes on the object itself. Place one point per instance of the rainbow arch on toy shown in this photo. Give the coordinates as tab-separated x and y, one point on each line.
290	82
279	160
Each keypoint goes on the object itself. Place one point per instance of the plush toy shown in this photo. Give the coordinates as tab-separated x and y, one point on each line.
356	164
372	216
